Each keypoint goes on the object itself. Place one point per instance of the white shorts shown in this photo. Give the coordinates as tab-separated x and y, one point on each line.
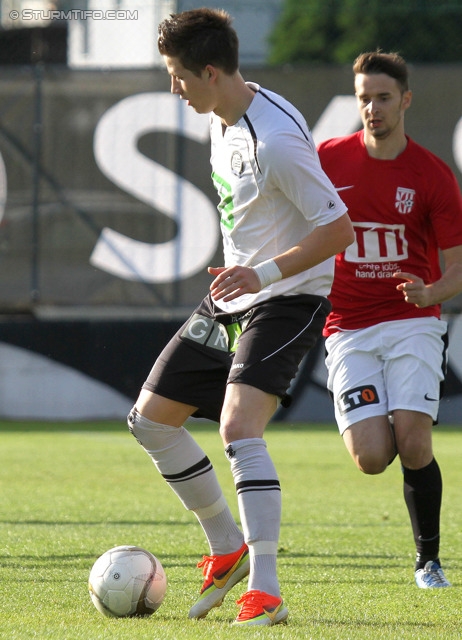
392	365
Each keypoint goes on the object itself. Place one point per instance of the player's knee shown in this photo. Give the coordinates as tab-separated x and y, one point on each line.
230	430
142	430
152	436
131	423
371	464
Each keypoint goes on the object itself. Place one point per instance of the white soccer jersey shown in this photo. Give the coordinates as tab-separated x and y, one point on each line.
273	192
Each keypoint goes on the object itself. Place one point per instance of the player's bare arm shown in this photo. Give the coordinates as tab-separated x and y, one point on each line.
323	243
416	292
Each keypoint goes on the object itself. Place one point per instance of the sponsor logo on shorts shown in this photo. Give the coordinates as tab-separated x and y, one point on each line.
206	331
356	398
214	335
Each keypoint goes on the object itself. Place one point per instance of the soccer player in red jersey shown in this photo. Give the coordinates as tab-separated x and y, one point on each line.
385	340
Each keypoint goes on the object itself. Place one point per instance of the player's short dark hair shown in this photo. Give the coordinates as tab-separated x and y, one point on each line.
378	62
200	37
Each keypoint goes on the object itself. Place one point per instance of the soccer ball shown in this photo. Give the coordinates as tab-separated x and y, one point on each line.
127	581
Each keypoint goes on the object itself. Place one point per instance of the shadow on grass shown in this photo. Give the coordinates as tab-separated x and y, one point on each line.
360	559
178	523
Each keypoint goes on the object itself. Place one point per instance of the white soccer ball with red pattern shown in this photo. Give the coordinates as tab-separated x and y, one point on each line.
127	581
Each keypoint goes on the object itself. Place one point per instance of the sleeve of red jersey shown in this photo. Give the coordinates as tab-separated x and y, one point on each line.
446	207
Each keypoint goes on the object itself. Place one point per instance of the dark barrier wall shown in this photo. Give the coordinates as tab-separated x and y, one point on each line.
93	369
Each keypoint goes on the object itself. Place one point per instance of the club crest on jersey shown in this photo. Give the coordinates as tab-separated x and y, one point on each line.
404	199
356	398
237	164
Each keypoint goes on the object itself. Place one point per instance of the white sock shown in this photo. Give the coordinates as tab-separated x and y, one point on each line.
259	499
220	528
190	474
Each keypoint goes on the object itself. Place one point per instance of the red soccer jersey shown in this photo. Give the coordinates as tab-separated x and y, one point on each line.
403	211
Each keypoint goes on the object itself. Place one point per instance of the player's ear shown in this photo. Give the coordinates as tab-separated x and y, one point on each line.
210	72
407	99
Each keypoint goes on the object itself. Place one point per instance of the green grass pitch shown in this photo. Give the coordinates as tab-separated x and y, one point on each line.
70	492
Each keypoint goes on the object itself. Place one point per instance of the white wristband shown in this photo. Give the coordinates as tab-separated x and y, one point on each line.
267	272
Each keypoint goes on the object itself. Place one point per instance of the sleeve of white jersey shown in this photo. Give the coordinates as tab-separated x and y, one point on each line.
292	165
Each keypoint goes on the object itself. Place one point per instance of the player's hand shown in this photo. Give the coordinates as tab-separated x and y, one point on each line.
414	290
232	282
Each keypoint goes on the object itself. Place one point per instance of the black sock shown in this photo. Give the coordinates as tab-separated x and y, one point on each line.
423	490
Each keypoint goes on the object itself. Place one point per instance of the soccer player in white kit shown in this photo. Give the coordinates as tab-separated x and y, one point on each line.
233	360
386	342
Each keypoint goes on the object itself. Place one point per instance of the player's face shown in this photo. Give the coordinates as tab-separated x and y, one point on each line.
196	90
381	104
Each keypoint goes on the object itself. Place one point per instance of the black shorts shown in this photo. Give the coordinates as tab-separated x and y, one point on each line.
262	347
